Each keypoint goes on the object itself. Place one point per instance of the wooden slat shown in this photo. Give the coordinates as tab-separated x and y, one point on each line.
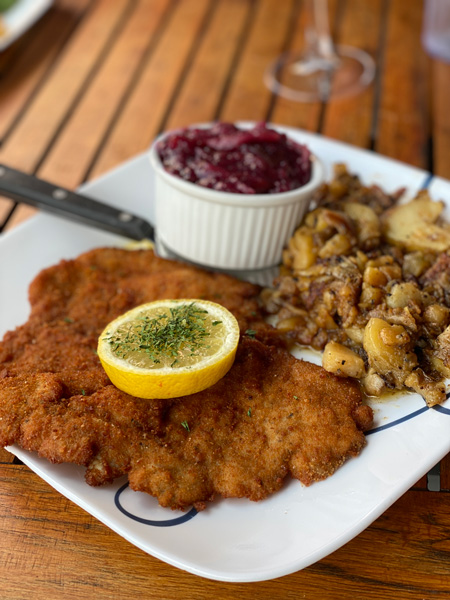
37	55
402	131
141	117
199	98
20	214
5	456
421	484
5	207
48	545
445	473
248	98
71	156
9	55
409	543
441	118
36	130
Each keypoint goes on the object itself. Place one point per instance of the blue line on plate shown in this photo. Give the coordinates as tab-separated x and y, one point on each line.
427	181
166	523
397	421
438	408
442	409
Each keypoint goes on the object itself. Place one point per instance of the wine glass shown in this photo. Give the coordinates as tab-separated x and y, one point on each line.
322	71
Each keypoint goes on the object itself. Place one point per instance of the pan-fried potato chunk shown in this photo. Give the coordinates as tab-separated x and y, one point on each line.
368	226
413	225
367	280
342	361
387	358
433	391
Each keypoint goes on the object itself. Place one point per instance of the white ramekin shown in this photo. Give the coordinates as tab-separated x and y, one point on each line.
226	230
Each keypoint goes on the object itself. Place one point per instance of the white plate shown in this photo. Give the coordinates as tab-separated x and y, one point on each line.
237	540
20	17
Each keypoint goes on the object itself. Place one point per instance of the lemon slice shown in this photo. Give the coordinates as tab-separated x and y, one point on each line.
169	348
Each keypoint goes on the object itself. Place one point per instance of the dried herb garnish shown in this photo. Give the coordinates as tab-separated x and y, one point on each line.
181	330
185	424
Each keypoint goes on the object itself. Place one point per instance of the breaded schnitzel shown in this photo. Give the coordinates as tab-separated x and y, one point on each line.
271	415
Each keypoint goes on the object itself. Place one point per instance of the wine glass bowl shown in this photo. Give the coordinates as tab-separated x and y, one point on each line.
303	77
321	71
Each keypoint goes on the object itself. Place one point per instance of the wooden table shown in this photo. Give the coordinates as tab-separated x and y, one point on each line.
88	87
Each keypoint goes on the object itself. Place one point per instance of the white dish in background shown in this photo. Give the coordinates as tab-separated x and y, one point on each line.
237	540
20	17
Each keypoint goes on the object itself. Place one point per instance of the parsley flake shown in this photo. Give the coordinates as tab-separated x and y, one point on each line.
178	332
185	424
250	333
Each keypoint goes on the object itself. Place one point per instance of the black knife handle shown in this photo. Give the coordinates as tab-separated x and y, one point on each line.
28	189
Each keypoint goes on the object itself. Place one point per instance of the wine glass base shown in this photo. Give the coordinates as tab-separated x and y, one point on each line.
305	78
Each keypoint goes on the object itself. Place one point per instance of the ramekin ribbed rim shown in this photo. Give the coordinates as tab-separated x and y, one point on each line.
234	199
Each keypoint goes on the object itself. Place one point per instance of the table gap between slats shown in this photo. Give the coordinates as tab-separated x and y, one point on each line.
235	60
211	70
85	129
36	131
35	60
145	107
163	12
196	44
91	74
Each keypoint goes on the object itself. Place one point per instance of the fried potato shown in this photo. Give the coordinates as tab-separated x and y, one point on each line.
367	280
342	361
414	225
385	356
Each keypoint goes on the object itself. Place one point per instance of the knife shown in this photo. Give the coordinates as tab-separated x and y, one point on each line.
28	189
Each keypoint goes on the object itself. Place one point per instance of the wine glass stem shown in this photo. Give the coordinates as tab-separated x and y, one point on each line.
317	32
320	70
